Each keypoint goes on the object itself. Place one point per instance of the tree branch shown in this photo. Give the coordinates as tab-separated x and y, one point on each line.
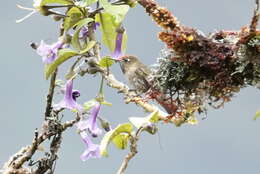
50	95
131	96
15	163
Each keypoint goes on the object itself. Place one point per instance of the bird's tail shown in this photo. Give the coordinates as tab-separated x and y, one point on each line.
167	103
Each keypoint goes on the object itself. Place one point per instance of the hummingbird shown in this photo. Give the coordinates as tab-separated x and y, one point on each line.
140	78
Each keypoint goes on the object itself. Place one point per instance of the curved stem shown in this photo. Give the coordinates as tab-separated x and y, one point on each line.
132	153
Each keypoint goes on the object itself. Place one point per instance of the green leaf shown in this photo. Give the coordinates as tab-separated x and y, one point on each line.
109	136
117	11
74	15
153	117
63	2
142	121
106	61
257	115
121	141
132	4
89	104
89	2
108	28
106	103
90	45
85	3
75	38
63	55
105	4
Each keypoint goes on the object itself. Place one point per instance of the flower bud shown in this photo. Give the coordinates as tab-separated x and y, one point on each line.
44	10
57	17
131	3
34	45
151	128
105	124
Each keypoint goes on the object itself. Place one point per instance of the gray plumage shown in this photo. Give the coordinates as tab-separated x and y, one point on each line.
137	73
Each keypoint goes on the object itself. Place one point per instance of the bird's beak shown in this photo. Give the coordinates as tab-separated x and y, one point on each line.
119	59
121	65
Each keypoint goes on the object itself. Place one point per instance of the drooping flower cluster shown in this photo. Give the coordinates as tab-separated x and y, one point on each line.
90	124
85	125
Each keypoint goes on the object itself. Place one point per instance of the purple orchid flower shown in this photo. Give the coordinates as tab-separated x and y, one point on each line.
84	30
92	150
49	52
90	124
69	100
118	48
75	94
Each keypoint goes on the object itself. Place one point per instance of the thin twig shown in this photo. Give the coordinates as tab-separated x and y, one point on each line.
133	151
14	164
50	95
47	163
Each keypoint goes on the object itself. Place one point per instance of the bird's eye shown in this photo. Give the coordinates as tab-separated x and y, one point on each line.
127	60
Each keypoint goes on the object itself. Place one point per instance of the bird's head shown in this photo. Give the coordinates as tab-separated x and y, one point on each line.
128	62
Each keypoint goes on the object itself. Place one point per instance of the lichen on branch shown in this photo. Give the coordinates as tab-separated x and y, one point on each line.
198	70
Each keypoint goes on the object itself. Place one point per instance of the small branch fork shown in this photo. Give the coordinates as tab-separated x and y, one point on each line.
16	162
133	150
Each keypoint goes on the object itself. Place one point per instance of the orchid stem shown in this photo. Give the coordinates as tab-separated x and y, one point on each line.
101	91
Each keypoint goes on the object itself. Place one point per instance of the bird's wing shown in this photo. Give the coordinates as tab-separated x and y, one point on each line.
143	78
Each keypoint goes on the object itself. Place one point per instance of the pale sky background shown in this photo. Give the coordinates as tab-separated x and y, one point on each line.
227	142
